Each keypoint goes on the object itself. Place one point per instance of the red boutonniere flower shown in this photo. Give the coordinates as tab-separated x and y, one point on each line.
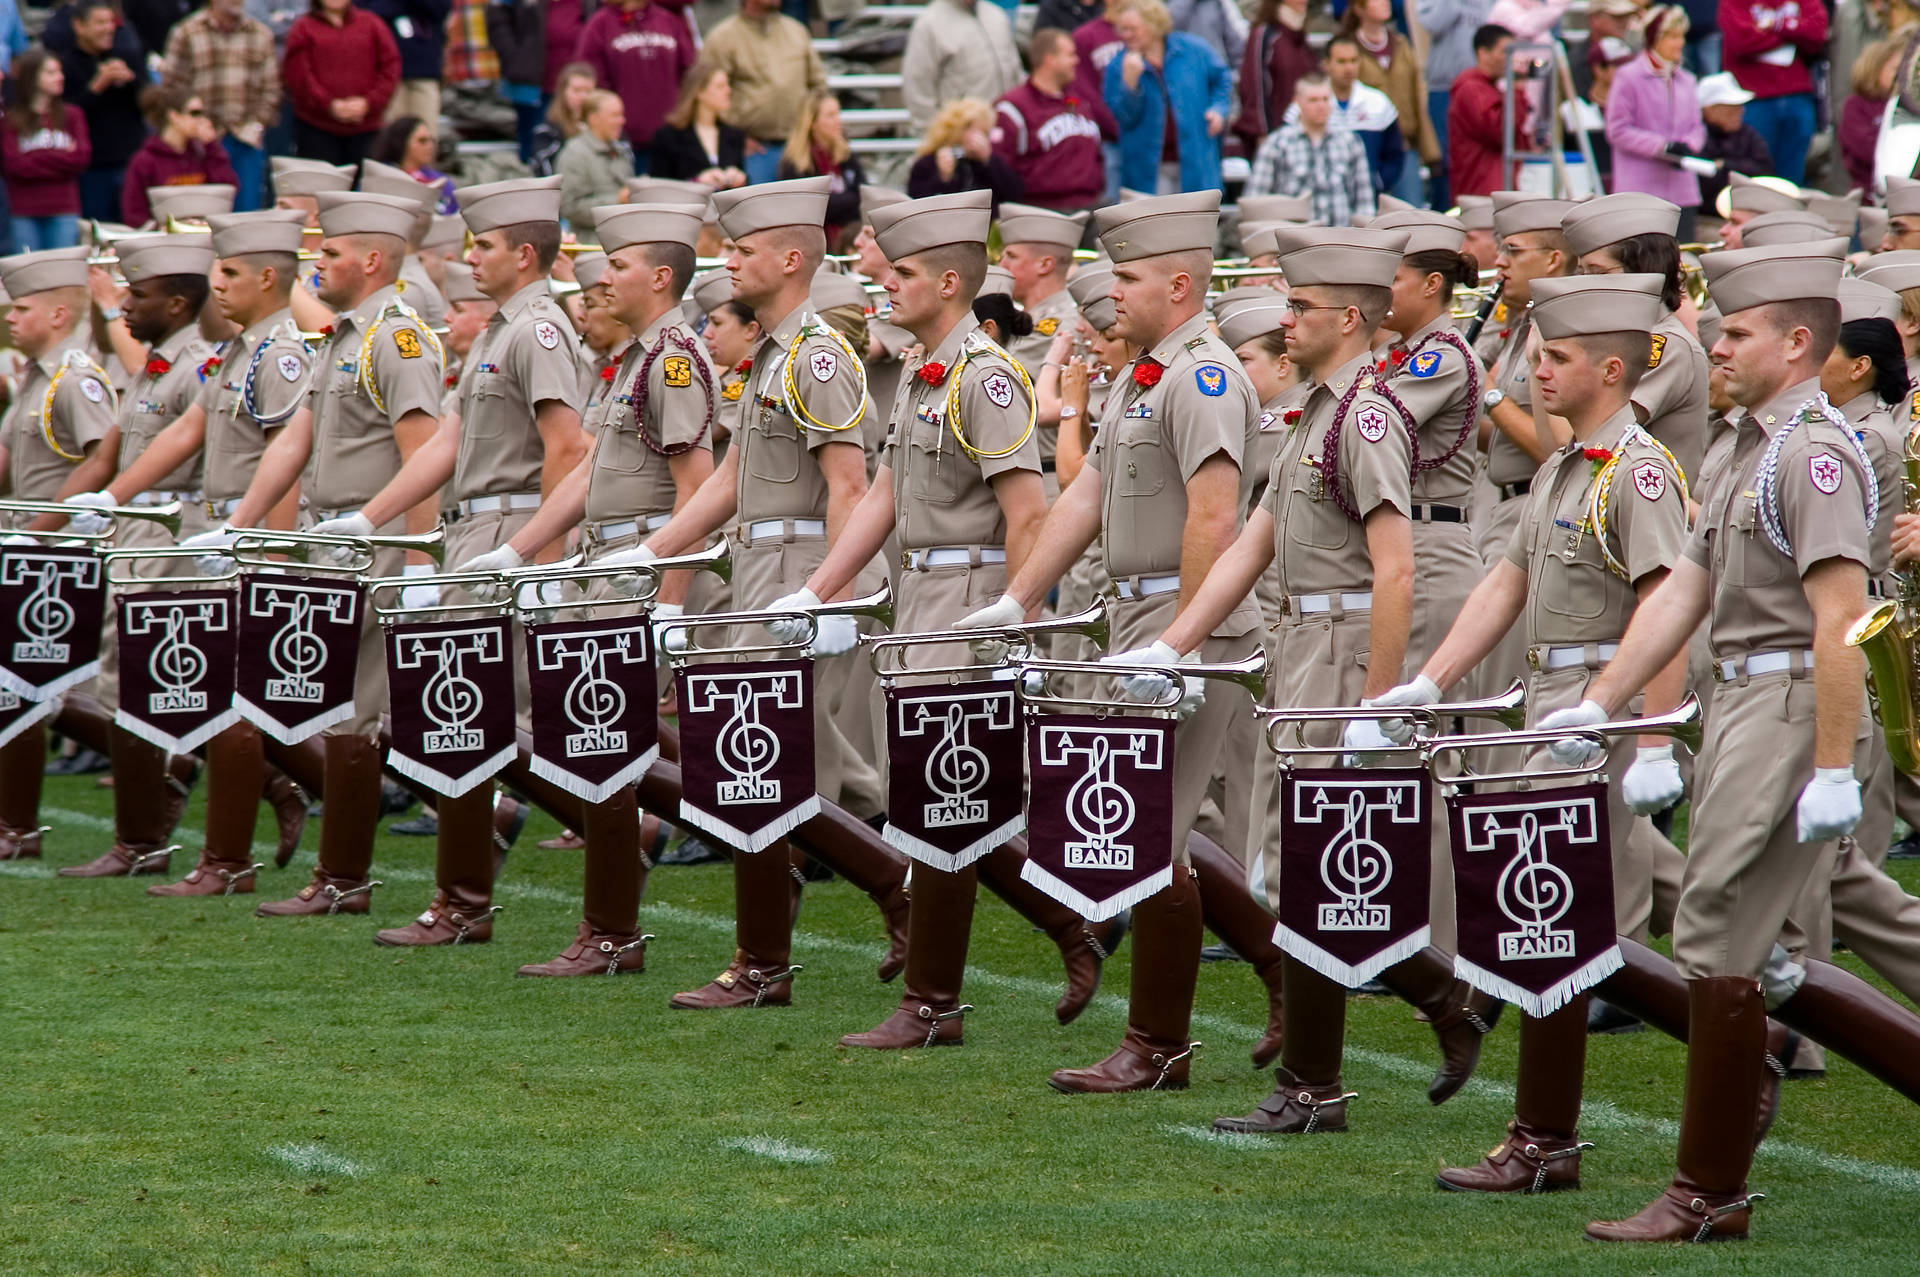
1148	373
1291	417
607	373
932	373
158	366
744	367
327	331
452	381
1598	456
206	370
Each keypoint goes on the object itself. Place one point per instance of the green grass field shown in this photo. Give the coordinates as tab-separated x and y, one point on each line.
193	1089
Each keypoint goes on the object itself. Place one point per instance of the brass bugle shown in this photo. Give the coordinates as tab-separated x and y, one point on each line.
1090	624
299	546
572	248
1508	708
717	559
164	552
1697	249
167	515
395	585
1250	673
1682	723
877	606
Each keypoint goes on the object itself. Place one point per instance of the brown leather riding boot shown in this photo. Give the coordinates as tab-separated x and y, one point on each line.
340	883
1427	981
235	766
855	850
1846	1014
930	1012
1083	945
563	805
462	909
609	940
761	973
140	818
1541	1151
22	763
1708	1199
1156	1051
88	721
299	776
1307	1097
1245	925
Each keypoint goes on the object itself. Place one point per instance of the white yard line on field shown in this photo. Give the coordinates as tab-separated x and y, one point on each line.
778	1150
311	1159
1596	1115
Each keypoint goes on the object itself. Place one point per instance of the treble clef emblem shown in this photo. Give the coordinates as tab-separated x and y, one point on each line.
297	651
1353	864
1096	806
451	697
1100	809
45	612
593	700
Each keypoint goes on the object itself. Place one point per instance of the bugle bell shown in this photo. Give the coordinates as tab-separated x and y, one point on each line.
166	515
1018	640
1249	672
716	559
299	547
1682	723
877	606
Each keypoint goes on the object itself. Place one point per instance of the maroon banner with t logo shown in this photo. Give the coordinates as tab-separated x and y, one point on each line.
1533	894
746	750
597	728
299	649
955	790
451	687
1099	810
1354	869
177	656
17	713
53	600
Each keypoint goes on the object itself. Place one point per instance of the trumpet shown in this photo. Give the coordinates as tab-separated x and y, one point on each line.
168	515
573	248
1682	723
1250	673
112	557
1091	624
177	227
1508	708
1886	637
299	547
717	560
877	606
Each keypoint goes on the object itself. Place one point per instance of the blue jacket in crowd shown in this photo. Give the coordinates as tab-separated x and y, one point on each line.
1196	80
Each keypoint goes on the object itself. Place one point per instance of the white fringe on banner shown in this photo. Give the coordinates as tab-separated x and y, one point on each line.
588	792
452	786
761	838
1086	906
167	740
951	861
294	733
28	717
26	691
1305	951
1539	1006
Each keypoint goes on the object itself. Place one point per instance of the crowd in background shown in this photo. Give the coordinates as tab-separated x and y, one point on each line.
1064	105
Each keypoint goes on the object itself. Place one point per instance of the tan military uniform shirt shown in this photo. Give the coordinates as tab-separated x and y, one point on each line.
420	291
1885	440
525	358
1758	603
1573	595
629	478
779	478
1318	548
236	436
1050	315
155	401
45	444
1432	378
1672	394
943	496
354	453
1507	461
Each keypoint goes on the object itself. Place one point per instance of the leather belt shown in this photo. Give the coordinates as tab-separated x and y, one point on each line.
1518	488
1145	587
1876	589
760	529
221	509
505	503
157	497
1755	664
952	556
609	530
1317	604
1438	514
1561	658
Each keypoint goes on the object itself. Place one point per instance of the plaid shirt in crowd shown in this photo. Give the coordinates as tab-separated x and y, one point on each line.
233	70
1333	171
469	56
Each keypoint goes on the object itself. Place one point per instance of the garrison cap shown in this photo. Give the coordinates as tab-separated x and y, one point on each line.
666	190
1089	288
1864	299
377	178
1744	278
1588	305
1594	224
1903	197
492	205
588	268
183	202
998	282
1762	195
1841	211
901	230
309	177
460	287
1476	212
624	225
358	213
1898	270
1517	212
447	231
873	197
833	288
1330	256
1708	325
25	274
1790	226
1275	208
1873	226
710	291
273	230
1159	224
151	256
1026	224
1247	313
1426	232
747	210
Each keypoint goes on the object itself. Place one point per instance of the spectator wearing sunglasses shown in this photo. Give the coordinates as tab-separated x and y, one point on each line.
183	151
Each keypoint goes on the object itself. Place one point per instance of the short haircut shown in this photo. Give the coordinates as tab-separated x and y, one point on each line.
285	267
1312	80
1635	350
542	237
811	241
1042	43
968	261
1197	264
1373	300
392	249
194	288
1820	316
1351	41
676	257
1489	37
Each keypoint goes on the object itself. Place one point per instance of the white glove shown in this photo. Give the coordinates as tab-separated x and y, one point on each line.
1147	685
413	595
504	559
348	525
1574	751
627	584
211	539
82	523
833	635
21	538
997	615
670	638
1653	782
1421	691
1829	805
1365	739
791	629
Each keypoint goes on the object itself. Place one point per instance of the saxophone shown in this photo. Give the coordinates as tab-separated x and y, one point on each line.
1889	637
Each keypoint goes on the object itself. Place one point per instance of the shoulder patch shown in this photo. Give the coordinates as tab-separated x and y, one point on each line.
1424	364
547	333
1913	411
291	369
678	371
1824	469
1659	349
1047	327
1371	422
407	342
1212	380
998	388
823	364
731	391
92	389
1649	480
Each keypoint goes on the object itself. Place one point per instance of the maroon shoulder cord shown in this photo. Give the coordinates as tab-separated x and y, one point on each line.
638	395
1330	445
1448	337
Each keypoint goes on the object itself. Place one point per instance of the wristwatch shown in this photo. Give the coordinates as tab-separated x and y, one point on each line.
1068	412
109	313
1493	399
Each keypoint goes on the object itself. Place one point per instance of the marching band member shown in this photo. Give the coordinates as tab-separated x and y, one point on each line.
416	286
515	436
372	404
604	338
468	312
1037	250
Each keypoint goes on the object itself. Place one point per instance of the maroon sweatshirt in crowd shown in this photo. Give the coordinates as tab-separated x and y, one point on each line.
640	55
42	166
358	59
1053	143
1769	45
157	164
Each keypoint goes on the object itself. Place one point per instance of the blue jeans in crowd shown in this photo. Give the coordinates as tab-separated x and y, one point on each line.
1787	125
35	234
250	172
1437	187
100	194
763	167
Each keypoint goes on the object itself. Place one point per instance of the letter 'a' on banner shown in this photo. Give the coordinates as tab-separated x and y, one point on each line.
1533	893
1354	869
746	750
596	728
1099	810
177	654
299	651
955	790
451	687
53	600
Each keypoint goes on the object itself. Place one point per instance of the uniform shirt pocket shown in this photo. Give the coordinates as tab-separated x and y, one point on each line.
486	412
1141	467
933	471
1750	557
621	450
1313	518
1574	579
773	453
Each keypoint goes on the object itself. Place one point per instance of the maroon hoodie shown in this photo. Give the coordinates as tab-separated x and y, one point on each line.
43	166
1054	145
641	56
157	164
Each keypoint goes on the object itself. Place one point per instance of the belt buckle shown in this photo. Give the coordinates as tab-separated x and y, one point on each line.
906	560
1534	661
1719	671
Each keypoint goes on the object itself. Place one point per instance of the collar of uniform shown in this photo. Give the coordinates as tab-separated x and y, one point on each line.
783	333
519	302
647	336
261	329
50	362
1343	376
1860	407
1776	412
1168	348
1292	397
1609	434
1444	320
362	315
949	348
169	348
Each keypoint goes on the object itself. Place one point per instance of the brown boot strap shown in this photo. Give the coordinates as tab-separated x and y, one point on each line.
615	954
1708	1214
1093	943
234	877
1305	1100
935	1018
1543	1159
465	926
141	859
337	897
762	982
1166	1062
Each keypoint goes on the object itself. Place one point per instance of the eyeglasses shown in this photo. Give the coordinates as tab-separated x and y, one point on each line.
195	112
1300	308
1512	249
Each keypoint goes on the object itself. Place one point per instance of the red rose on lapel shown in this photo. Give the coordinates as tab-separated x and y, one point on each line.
1148	373
932	373
157	366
